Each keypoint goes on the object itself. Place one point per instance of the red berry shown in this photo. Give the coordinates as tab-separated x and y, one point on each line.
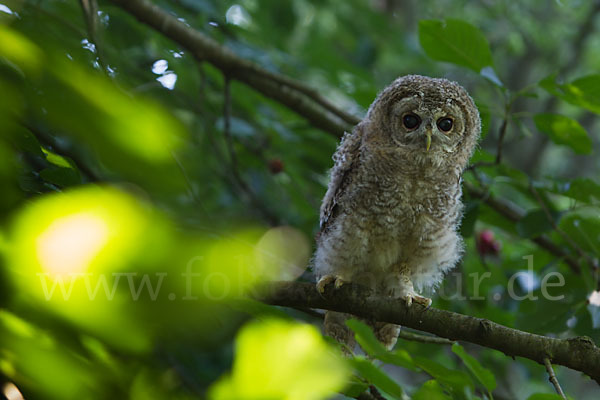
486	244
275	166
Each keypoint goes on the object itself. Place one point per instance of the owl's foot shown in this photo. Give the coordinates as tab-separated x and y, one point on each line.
404	290
410	298
327	279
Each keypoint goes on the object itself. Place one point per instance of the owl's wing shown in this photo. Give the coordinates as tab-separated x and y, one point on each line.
346	159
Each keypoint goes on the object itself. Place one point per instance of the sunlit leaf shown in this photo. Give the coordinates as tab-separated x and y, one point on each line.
67	247
583	92
483	375
19	50
564	130
47	367
278	359
455	41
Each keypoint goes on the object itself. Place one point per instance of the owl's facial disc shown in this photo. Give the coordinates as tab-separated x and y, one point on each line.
426	125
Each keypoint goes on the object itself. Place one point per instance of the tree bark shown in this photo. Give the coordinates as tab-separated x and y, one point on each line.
579	353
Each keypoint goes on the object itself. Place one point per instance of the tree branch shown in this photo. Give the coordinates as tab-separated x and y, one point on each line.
293	94
553	379
578	353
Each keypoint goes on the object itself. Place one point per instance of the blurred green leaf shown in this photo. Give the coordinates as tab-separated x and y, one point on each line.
455	41
564	130
455	380
535	223
483	375
62	177
377	377
583	189
431	390
545	396
584	228
295	364
366	338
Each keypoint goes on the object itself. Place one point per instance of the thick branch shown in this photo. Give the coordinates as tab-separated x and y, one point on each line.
293	94
578	353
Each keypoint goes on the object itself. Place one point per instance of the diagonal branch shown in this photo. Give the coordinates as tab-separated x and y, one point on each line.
553	379
293	94
579	353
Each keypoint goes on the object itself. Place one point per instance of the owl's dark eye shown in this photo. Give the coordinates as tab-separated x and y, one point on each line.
411	121
445	124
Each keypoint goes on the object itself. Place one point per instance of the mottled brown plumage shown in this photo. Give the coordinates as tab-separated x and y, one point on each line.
390	216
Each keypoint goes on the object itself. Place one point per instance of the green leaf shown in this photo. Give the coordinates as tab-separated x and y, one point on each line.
355	387
544	396
456	380
431	390
373	347
564	130
583	189
482	374
583	92
377	377
59	176
584	228
457	42
536	223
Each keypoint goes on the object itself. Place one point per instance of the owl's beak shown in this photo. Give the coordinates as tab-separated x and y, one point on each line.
428	139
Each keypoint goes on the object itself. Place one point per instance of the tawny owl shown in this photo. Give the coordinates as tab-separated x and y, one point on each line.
390	216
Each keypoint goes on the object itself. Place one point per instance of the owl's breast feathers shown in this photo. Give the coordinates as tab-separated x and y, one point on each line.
388	192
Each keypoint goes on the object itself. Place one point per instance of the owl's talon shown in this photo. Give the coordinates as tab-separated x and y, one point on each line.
324	281
327	279
424	301
339	282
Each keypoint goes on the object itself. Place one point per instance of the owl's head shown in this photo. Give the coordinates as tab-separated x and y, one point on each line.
429	117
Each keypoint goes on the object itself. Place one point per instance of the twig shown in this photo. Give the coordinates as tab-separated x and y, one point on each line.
579	353
503	127
415	337
499	145
271	218
552	378
90	14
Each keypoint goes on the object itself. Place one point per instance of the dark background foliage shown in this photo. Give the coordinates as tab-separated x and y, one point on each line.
108	100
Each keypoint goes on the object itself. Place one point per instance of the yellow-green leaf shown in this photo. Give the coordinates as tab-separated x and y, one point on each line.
280	359
564	130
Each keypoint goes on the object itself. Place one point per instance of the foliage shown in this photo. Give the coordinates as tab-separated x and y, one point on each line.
135	214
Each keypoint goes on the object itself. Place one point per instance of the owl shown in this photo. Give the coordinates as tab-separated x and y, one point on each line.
391	214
